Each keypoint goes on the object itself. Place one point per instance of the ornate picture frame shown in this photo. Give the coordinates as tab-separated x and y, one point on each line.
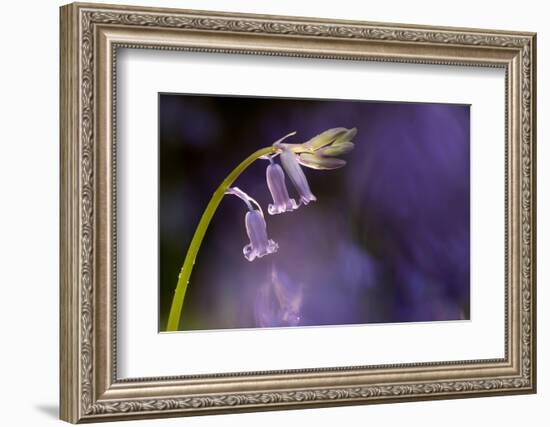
90	37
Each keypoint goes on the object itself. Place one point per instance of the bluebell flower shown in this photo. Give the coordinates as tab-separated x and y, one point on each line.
260	245
256	229
317	153
296	174
277	187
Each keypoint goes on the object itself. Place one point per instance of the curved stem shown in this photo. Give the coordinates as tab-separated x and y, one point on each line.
196	241
236	191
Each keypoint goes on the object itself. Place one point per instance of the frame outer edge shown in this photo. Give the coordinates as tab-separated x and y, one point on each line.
533	113
78	341
68	226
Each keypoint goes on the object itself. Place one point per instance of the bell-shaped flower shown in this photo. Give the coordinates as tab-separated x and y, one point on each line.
289	160
256	230
277	187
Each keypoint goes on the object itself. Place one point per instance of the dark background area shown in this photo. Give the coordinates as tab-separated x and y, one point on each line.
386	241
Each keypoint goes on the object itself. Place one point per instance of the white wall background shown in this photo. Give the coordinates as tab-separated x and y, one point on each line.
29	170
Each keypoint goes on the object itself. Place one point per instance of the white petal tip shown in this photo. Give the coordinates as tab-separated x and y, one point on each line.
251	254
290	206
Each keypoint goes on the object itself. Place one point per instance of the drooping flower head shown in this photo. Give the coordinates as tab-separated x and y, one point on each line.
260	245
317	153
277	187
289	161
256	229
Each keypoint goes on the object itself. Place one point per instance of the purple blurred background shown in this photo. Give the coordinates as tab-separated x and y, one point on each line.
387	241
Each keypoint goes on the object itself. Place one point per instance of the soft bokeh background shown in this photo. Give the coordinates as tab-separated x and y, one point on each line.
387	240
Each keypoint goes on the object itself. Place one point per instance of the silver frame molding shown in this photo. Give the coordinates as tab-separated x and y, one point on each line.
90	37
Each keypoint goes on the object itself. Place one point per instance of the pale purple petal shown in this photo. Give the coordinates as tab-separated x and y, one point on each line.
277	187
259	245
296	175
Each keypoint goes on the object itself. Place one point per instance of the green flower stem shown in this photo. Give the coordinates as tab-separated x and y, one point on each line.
188	264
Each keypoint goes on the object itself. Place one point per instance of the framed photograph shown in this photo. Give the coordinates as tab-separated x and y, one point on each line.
266	212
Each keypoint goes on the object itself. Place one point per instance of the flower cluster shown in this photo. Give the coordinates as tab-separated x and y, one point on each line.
318	153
